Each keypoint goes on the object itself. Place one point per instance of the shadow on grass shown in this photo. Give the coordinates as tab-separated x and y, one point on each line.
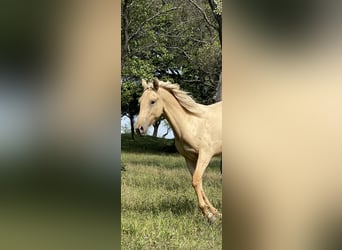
180	207
147	144
175	206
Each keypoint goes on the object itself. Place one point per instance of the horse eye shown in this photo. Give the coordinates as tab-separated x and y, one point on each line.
153	102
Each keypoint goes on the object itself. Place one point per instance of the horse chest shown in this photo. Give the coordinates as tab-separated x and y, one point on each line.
186	149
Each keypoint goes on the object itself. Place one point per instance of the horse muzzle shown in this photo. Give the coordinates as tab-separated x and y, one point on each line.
140	130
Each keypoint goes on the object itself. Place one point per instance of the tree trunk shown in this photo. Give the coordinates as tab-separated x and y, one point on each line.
124	32
218	18
131	118
218	96
167	132
155	128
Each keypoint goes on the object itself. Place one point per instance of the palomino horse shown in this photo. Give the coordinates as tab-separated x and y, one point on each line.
197	129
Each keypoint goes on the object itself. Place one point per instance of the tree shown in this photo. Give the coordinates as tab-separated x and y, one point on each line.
168	128
129	102
216	7
156	127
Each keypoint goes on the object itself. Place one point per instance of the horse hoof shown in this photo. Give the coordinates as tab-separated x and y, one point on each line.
211	218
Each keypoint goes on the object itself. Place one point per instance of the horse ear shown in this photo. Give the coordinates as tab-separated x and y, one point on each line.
144	83
155	83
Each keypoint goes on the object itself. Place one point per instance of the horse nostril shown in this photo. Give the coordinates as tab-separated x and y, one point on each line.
140	130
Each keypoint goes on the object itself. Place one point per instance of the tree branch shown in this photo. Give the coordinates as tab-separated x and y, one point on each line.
183	52
150	19
218	17
203	14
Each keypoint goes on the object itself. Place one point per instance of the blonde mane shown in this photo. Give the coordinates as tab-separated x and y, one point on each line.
182	97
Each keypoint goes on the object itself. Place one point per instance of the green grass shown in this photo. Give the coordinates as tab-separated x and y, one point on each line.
158	204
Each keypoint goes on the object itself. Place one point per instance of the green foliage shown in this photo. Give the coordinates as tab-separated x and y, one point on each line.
218	9
137	69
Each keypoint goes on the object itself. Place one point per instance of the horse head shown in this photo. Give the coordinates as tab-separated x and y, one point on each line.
151	106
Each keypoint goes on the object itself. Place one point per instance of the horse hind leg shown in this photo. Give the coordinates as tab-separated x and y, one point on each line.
191	166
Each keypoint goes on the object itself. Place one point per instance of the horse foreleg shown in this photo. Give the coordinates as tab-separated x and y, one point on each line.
206	207
212	209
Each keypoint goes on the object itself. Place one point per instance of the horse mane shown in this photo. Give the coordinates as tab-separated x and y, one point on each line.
183	97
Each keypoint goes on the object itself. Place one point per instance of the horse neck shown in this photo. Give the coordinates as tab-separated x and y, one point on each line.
174	113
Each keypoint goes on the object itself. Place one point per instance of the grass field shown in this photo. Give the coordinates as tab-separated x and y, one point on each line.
158	204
